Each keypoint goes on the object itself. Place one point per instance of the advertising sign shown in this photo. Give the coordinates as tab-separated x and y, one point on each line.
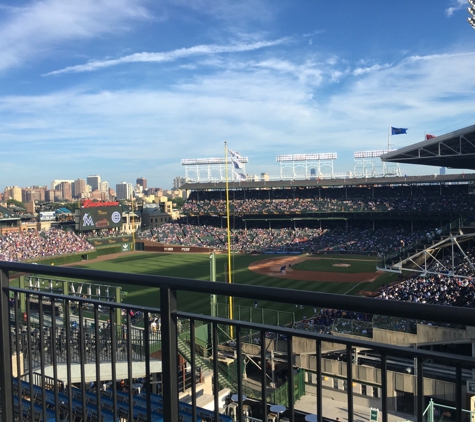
111	241
96	218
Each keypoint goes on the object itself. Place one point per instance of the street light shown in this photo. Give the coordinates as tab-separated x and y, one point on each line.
471	21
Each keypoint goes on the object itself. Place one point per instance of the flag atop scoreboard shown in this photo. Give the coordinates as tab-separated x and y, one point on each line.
98	215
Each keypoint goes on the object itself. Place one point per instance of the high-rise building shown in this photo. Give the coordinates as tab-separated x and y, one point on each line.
142	181
26	195
49	195
177	182
124	190
101	196
104	186
39	193
13	192
94	181
56	184
66	191
33	194
79	187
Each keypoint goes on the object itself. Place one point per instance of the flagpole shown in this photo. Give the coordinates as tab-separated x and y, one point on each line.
231	328
389	138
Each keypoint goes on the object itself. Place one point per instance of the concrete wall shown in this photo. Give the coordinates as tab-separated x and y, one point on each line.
335	372
393	337
429	333
299	345
362	374
425	334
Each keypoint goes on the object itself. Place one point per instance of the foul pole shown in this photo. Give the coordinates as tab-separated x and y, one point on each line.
230	280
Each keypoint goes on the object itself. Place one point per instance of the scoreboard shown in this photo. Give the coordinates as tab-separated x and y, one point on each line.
98	217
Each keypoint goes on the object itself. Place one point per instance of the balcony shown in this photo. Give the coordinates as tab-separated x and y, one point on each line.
71	357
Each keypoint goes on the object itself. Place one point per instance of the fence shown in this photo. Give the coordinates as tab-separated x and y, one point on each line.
29	354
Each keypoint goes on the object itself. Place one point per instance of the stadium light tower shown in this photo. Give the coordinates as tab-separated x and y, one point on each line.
471	10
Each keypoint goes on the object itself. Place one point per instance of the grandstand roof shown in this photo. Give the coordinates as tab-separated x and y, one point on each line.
5	211
454	150
356	181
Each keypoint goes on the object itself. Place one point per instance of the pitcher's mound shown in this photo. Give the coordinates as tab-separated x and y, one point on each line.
272	267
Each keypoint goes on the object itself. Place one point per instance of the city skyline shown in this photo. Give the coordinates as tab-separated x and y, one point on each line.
129	87
74	189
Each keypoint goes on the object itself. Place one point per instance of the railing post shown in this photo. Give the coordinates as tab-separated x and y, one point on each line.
6	390
168	305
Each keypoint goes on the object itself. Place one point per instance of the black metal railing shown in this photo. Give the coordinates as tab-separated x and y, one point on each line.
71	371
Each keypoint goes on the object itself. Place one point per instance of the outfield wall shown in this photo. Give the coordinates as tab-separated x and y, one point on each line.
149	246
99	242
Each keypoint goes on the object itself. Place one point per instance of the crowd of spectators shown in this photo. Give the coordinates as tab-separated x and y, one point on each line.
329	321
202	223
447	281
23	246
317	200
361	239
99	233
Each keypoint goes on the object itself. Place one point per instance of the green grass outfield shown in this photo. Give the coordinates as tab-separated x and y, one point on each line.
197	266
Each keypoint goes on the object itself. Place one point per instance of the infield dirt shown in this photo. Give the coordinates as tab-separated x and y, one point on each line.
272	267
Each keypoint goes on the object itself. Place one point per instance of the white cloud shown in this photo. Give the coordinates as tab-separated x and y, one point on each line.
362	70
261	110
170	56
458	5
274	100
38	29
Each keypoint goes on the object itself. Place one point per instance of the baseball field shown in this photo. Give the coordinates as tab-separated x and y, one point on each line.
339	274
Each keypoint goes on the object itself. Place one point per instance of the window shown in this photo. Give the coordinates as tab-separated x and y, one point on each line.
375	392
363	390
335	383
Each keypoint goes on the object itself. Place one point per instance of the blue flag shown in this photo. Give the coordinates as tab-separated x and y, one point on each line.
398	130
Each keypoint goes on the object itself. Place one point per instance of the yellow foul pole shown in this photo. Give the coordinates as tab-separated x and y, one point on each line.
133	220
230	280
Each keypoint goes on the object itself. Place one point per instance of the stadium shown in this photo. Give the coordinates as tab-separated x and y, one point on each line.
336	245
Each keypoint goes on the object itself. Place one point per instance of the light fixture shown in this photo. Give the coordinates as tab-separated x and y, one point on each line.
471	10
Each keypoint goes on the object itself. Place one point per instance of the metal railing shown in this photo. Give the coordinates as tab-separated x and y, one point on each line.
107	360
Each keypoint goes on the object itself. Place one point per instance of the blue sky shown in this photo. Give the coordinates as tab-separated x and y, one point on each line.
128	88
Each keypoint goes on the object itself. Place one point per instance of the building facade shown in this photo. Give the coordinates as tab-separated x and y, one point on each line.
124	190
94	181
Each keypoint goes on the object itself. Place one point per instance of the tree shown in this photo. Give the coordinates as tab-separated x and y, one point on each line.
178	202
16	203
